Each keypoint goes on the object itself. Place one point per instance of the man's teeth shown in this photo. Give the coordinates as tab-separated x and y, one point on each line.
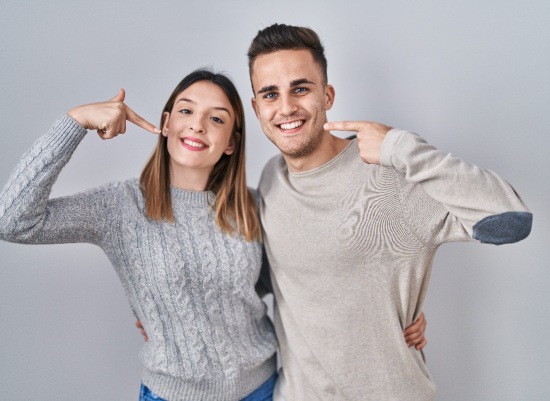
292	125
193	143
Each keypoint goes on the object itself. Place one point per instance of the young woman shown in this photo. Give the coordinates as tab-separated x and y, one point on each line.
184	238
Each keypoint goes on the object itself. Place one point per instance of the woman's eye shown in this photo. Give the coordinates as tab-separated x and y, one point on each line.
185	111
217	120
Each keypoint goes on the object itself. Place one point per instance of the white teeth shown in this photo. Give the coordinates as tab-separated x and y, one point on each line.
193	143
292	125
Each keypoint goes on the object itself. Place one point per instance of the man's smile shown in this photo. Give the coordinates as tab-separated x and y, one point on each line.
291	125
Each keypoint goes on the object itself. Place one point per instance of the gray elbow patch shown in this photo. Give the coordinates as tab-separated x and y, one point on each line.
504	228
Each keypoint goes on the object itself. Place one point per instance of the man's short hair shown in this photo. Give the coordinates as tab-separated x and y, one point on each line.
287	37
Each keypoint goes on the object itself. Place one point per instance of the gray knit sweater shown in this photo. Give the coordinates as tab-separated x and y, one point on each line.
351	247
191	285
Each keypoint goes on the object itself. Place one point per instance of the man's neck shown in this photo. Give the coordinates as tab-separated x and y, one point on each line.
330	147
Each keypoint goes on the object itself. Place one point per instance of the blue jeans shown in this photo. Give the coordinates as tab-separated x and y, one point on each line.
147	395
262	393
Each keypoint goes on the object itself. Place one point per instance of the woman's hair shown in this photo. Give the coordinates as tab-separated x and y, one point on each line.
235	207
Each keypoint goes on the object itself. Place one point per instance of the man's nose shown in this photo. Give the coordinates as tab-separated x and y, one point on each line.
288	105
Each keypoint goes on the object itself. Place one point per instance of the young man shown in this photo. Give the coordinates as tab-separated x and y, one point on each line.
351	229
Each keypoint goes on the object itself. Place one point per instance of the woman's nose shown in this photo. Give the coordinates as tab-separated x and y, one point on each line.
197	125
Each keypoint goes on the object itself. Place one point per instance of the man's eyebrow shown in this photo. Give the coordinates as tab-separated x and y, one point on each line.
296	82
300	81
269	88
184	99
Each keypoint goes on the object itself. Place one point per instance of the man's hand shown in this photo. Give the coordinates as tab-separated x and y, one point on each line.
370	136
414	334
109	118
142	330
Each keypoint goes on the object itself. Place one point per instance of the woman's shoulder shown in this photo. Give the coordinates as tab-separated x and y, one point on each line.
117	191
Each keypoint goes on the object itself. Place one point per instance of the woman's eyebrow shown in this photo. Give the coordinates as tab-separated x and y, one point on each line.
220	108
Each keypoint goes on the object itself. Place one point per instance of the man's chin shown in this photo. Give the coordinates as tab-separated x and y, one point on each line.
295	152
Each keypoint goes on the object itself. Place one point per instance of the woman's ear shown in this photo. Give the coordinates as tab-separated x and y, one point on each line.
165	125
231	147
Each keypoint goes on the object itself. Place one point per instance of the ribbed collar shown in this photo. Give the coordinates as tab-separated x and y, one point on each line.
192	198
324	167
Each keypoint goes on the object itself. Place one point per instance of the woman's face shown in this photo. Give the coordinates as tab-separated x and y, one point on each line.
198	130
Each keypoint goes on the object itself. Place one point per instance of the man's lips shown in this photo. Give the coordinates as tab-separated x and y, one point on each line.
193	144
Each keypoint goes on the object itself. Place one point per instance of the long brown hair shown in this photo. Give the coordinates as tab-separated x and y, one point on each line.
235	207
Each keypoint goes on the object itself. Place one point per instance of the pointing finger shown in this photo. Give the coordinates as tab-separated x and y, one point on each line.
344	125
135	118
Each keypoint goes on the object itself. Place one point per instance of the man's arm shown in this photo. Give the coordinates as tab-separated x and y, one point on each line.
487	206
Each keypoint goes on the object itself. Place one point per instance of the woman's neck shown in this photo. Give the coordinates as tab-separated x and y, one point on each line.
193	179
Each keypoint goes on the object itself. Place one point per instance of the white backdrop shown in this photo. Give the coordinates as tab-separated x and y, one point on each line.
471	76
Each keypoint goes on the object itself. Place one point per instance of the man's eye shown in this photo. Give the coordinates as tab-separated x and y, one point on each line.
300	90
270	95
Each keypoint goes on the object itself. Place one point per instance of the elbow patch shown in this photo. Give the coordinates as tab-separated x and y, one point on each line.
504	228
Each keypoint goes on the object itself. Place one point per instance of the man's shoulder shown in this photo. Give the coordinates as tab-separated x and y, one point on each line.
271	167
275	162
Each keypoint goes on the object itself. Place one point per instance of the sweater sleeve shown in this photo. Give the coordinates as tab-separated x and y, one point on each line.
486	206
27	215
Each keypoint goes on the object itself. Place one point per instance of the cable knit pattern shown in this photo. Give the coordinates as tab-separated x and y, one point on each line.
191	285
351	247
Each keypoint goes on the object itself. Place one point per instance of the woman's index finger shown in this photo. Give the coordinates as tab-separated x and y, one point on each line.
138	120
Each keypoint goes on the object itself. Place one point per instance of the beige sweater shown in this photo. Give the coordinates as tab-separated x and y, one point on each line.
351	247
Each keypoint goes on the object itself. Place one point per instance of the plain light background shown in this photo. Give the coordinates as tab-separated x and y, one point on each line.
471	76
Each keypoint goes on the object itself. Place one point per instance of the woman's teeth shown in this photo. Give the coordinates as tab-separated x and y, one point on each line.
193	143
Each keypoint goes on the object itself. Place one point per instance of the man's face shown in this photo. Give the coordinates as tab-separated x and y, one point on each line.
291	100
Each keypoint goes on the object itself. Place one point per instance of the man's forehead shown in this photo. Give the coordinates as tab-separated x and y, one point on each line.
292	57
284	68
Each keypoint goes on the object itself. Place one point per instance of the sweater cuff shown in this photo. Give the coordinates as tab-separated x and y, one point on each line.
68	124
389	146
65	133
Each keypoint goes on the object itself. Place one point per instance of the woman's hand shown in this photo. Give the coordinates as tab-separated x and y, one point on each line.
142	330
109	118
414	334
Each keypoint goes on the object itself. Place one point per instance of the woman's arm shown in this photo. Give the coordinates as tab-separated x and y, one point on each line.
27	215
415	334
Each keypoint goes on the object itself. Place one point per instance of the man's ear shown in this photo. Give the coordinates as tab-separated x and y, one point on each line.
166	124
255	107
329	96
